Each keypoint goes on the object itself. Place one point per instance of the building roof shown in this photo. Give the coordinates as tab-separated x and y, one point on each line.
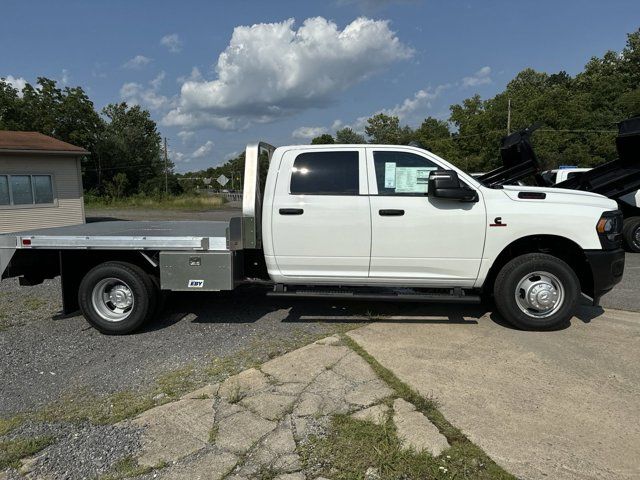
16	142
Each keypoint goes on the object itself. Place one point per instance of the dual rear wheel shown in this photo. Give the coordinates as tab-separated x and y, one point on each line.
117	297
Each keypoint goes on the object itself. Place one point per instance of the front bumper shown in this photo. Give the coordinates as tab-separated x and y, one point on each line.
607	268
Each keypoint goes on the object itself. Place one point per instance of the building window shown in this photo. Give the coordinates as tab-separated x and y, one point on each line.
22	190
42	189
325	173
5	199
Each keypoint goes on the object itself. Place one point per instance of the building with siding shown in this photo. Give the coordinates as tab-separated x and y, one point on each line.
40	182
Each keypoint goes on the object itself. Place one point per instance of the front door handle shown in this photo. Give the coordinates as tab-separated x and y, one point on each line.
391	213
291	211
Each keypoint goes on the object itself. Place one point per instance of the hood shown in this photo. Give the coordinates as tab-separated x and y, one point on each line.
561	195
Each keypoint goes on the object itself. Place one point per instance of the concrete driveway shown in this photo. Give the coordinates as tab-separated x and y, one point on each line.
561	405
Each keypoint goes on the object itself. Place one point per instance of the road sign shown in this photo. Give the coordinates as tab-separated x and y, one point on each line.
206	181
222	180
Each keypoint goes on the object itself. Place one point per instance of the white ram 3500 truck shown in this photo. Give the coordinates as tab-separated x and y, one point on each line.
372	222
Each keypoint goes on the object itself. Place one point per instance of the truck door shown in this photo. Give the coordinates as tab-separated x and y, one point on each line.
320	220
417	239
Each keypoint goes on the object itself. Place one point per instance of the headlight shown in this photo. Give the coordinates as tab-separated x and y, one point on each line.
607	225
609	229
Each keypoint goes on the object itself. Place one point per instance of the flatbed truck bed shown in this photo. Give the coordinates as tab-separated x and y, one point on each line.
128	235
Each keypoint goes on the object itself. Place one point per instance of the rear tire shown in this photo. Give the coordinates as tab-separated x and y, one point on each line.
537	291
631	234
117	297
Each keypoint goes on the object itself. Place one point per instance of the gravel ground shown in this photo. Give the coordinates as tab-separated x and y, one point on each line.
41	358
79	451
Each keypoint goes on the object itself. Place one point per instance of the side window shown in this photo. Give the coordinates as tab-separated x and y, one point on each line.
325	173
402	173
21	190
43	189
4	190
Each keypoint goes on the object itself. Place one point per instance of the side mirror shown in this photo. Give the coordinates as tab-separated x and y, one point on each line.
446	184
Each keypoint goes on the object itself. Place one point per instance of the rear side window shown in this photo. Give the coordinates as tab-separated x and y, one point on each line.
402	173
326	173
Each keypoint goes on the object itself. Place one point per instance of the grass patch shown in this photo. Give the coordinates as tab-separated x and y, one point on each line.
8	424
11	451
178	202
213	434
178	381
353	446
126	468
34	303
467	460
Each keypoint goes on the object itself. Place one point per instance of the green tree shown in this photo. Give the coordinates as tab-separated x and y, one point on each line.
385	129
129	143
347	135
10	107
325	138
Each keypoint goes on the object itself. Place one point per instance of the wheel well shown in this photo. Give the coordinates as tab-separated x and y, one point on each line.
74	265
560	247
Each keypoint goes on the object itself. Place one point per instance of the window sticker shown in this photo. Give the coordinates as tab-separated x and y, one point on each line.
412	179
390	175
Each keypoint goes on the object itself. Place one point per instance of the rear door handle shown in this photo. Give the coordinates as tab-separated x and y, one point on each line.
391	213
291	211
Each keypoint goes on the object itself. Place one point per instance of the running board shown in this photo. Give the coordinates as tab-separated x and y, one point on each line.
454	295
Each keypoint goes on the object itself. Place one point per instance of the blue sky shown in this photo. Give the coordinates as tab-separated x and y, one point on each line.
213	85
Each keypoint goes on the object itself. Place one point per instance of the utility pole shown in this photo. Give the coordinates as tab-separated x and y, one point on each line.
509	118
166	168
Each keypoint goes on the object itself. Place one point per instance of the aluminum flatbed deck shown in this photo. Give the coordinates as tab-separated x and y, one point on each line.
125	235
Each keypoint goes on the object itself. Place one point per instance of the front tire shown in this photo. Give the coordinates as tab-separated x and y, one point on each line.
631	234
537	291
116	297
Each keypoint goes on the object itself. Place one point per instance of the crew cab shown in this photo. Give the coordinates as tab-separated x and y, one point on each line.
370	222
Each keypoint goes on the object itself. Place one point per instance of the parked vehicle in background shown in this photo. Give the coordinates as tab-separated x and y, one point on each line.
629	203
371	222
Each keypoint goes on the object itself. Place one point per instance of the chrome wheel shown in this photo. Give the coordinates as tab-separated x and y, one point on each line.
539	294
636	237
112	299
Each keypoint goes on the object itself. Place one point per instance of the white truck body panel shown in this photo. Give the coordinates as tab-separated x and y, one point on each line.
342	240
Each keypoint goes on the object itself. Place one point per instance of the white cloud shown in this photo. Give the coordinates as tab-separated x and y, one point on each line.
273	70
203	150
66	77
420	101
137	62
16	82
185	135
481	77
137	94
308	133
172	42
194	76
